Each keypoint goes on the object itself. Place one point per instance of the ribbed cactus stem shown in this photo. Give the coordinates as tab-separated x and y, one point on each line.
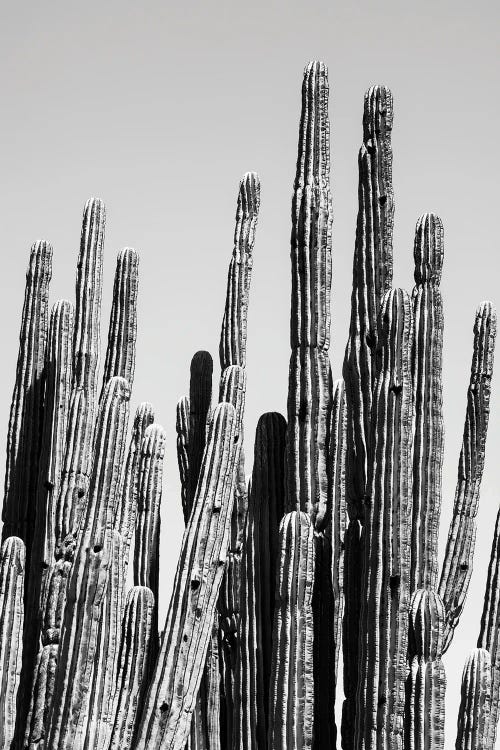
12	566
292	685
122	332
424	712
127	507
383	627
427	395
490	633
372	278
88	580
457	566
42	692
25	421
147	525
172	695
258	575
311	247
475	701
200	396
133	665
78	459
182	430
232	348
99	723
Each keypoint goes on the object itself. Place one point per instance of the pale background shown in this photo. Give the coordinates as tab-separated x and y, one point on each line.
159	108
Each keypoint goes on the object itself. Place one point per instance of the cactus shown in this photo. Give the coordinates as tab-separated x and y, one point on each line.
249	656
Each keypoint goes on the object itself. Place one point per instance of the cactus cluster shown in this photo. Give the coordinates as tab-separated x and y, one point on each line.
329	547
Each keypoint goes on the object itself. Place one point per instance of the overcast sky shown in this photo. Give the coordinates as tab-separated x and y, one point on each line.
160	107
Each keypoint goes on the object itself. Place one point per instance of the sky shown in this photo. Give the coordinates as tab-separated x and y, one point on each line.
160	108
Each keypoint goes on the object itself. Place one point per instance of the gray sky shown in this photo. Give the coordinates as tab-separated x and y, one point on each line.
159	108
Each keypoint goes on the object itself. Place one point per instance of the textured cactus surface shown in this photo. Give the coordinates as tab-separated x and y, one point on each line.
326	555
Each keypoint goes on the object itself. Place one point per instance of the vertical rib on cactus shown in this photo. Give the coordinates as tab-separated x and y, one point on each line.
182	429
427	393
292	686
311	240
99	722
424	713
490	632
12	565
88	579
78	459
475	702
232	348
457	565
127	508
122	332
383	627
353	561
336	484
200	396
133	665
25	421
171	698
43	690
258	576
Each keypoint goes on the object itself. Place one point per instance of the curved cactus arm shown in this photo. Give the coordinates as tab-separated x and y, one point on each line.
26	411
372	278
337	468
490	632
171	698
427	396
122	332
133	665
383	626
311	251
425	710
200	397
182	430
12	566
457	566
126	510
100	718
258	573
475	701
78	459
232	348
291	704
88	579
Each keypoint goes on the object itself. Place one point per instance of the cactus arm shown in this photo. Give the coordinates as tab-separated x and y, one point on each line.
383	626
171	698
232	348
475	701
260	554
25	422
126	510
100	719
292	684
122	332
200	396
427	391
457	566
424	713
133	665
490	631
78	459
311	239
12	566
88	578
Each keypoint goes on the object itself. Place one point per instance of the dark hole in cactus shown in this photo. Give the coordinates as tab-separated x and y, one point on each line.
48	485
463	566
394	582
185	637
45	565
396	388
164	707
81	493
197	613
97	547
195	584
382	200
